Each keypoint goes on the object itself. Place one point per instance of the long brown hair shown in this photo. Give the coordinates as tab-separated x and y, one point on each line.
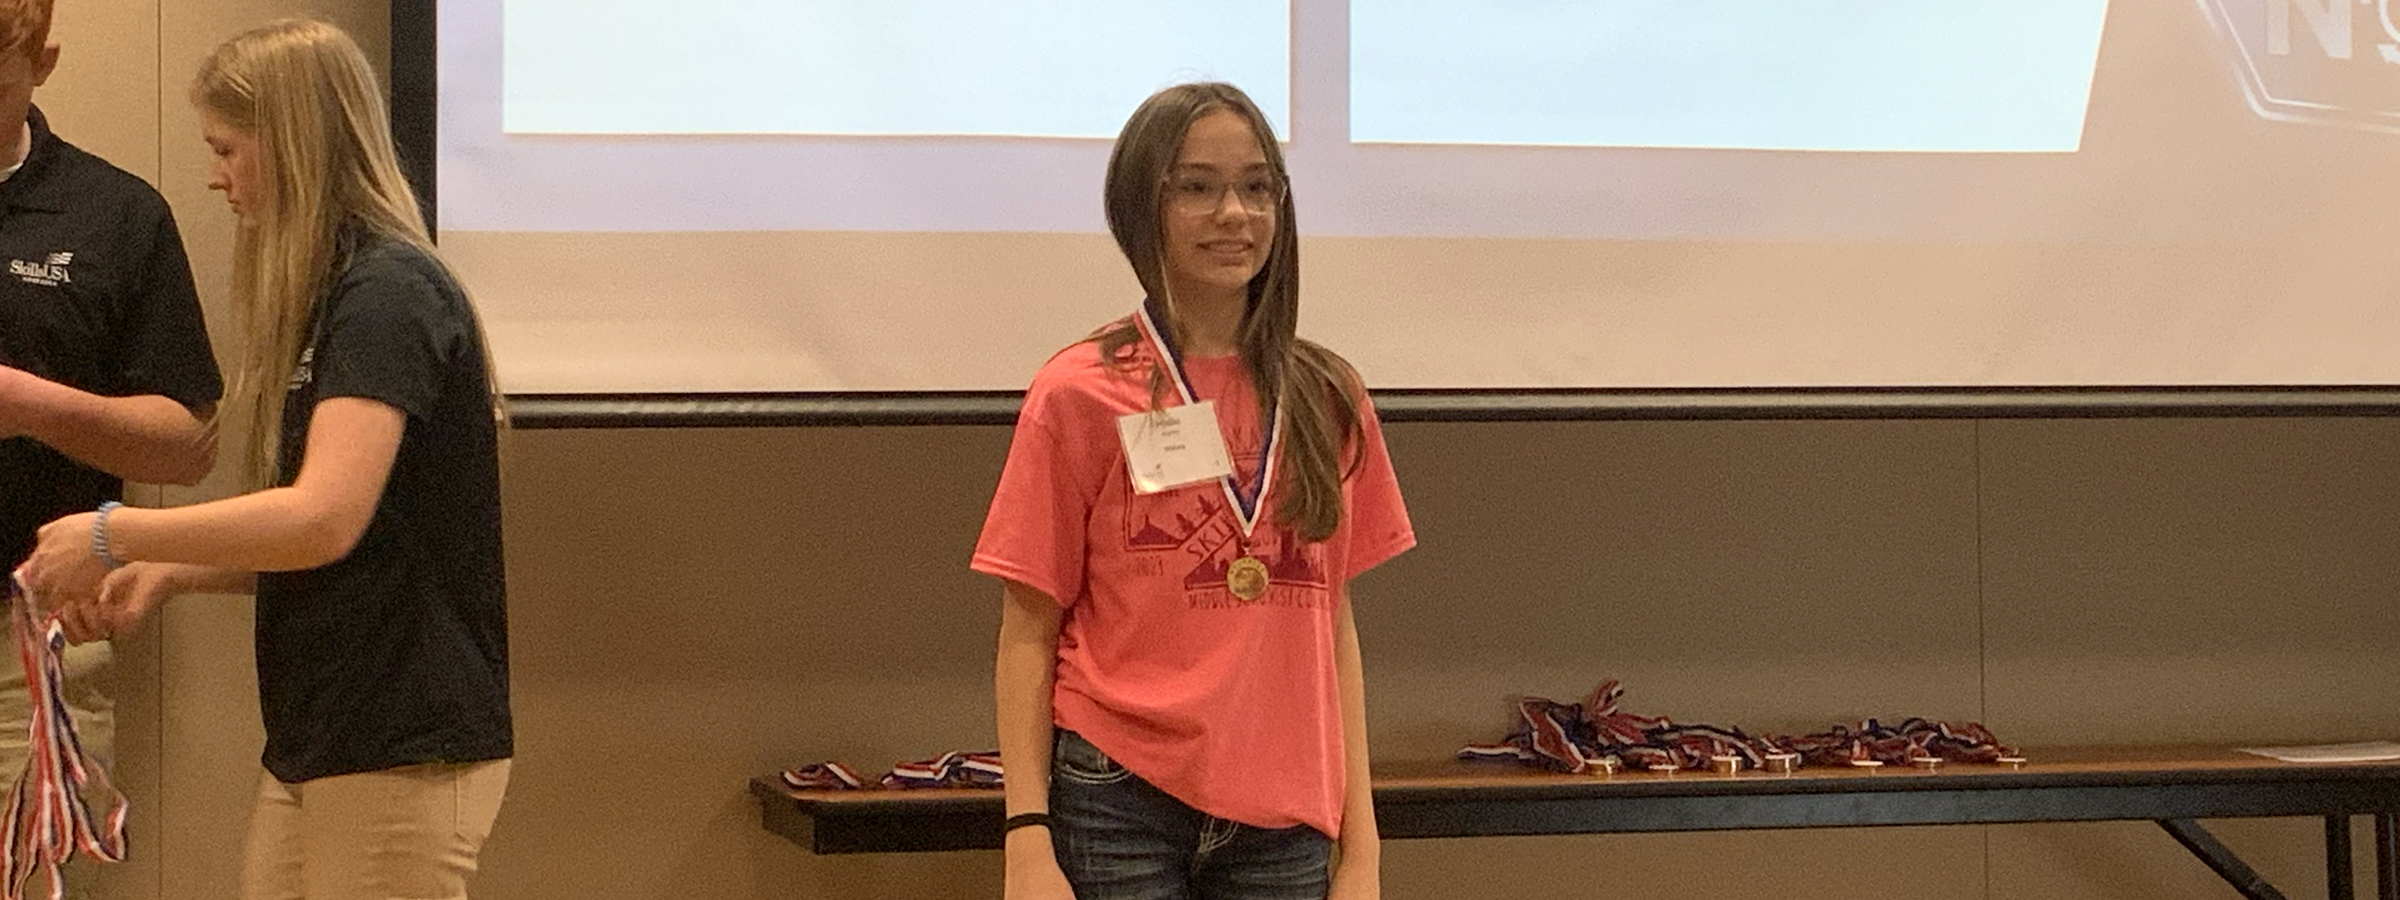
1316	390
325	160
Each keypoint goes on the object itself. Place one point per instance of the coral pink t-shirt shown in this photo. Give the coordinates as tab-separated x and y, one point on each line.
1232	707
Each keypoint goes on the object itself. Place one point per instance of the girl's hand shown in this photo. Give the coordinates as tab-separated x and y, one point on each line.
63	569
1031	868
1356	881
126	597
129	595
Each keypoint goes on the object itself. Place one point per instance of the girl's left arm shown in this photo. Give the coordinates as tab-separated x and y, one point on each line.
1358	875
350	447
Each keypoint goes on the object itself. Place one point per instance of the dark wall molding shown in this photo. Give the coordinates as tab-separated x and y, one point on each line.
756	410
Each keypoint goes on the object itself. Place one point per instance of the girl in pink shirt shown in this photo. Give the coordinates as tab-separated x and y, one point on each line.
1178	681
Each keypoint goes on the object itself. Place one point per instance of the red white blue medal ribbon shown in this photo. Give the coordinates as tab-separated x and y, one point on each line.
949	770
956	769
47	819
1577	737
1246	507
824	776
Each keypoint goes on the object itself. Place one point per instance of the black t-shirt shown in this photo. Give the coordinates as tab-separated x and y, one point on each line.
95	294
397	653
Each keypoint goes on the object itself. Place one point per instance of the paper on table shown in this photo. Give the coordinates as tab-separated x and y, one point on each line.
2365	751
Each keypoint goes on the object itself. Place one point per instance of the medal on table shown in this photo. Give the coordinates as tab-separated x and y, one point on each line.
1246	577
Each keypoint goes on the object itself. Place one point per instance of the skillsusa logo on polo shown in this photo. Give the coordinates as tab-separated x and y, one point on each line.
304	373
51	272
2320	62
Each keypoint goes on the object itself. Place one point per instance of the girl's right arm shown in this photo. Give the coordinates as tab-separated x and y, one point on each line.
1022	674
130	594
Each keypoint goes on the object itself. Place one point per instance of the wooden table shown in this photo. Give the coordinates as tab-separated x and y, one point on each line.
2173	786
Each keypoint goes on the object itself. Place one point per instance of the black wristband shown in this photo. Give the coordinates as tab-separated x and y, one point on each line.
1022	820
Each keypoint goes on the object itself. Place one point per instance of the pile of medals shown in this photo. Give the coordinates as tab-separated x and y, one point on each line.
1595	734
949	770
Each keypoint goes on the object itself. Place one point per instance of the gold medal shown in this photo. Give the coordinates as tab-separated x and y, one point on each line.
1247	578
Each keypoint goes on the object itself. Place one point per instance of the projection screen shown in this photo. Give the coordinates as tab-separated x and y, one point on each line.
903	196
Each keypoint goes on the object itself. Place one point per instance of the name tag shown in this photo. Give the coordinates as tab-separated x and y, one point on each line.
1169	448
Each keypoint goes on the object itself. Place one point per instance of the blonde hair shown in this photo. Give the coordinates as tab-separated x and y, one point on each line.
24	26
1315	387
325	160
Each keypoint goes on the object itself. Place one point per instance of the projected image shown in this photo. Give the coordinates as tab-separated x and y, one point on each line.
876	195
1733	74
993	115
2331	62
1058	68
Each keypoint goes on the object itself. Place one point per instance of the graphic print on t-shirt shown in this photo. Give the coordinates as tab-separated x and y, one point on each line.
1193	529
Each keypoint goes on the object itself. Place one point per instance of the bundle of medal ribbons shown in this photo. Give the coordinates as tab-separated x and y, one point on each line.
1592	736
49	818
1596	736
949	770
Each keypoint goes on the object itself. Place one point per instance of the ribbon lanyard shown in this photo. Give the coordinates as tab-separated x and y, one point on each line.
47	819
1245	508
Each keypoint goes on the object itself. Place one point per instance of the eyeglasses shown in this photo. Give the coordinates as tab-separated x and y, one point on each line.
1200	194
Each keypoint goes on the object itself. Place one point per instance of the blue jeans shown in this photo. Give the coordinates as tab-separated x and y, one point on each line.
1119	838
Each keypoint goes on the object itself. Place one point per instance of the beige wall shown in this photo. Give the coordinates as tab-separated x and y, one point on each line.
188	709
695	607
104	97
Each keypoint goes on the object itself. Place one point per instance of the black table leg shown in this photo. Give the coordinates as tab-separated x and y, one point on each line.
2221	858
2387	856
2337	859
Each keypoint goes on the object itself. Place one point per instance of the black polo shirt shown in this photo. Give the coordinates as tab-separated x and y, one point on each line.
95	294
397	653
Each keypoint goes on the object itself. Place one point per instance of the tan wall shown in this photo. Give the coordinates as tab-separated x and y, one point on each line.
188	704
695	607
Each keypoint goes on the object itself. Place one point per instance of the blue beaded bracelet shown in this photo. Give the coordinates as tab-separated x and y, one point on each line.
100	535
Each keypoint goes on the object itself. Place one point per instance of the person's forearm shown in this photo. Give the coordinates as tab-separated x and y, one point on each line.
1361	843
1021	684
133	594
275	530
147	438
191	579
346	463
1022	676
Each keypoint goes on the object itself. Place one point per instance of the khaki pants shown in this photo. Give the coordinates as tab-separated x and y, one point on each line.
410	833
